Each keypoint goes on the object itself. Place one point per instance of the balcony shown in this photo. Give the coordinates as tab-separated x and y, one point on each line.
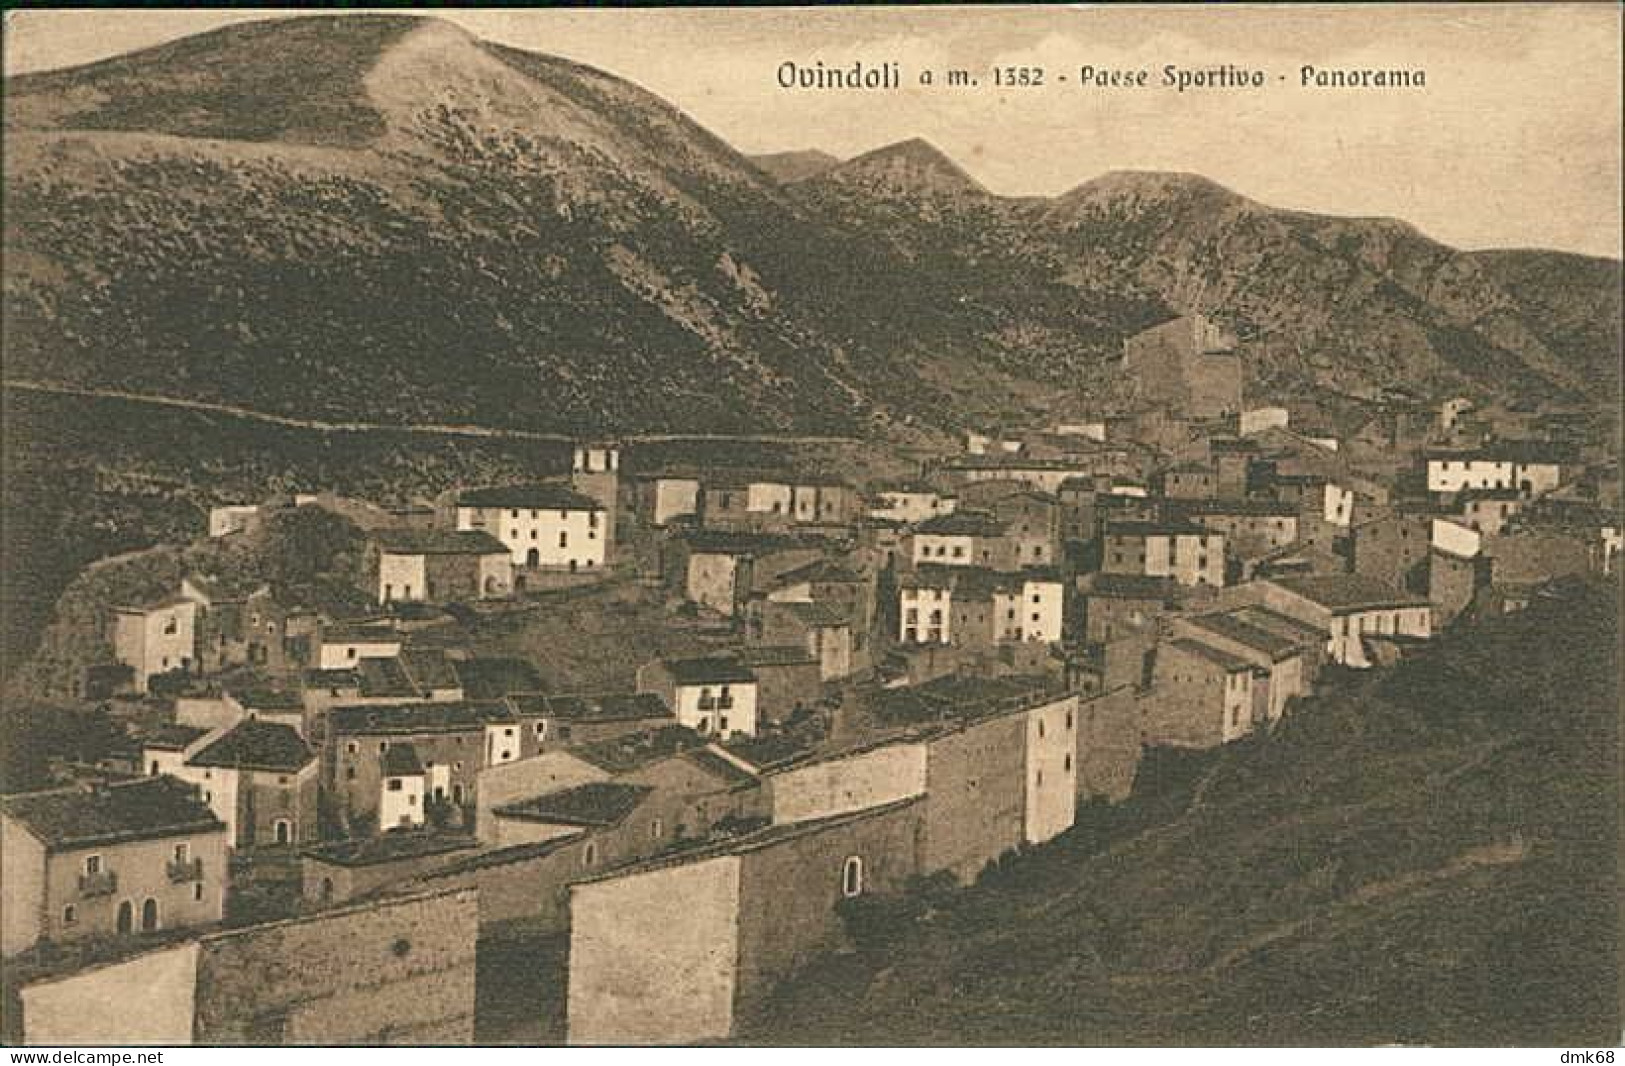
185	870
104	883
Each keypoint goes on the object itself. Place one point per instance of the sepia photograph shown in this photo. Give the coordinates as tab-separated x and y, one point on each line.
1022	526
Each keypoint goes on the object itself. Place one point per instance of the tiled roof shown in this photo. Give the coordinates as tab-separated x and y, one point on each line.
393	846
1281	624
627	753
360	634
770	655
719	766
401	760
1155	529
817	615
596	804
384	678
142	809
227	589
591	707
1230	663
164	604
1349	592
171	736
962	524
709	670
823	571
429	669
253	744
538	497
768	750
1235	627
491	678
438	542
451	717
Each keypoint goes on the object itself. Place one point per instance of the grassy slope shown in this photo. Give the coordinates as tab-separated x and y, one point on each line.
1427	860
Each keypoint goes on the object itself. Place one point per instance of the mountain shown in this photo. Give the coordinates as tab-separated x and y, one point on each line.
794	166
914	168
449	231
382	218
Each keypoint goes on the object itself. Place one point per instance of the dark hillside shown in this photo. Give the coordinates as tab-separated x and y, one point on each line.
1427	859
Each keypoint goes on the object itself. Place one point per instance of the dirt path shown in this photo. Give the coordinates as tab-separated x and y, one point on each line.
422	429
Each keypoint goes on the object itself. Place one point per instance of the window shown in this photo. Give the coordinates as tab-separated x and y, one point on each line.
1069	719
394	784
154	770
170	626
349	773
93	864
541	730
657	829
183	852
722	724
852	877
383	746
564	539
507	732
349	653
412	799
589	855
197	892
1066	763
1041	729
69	914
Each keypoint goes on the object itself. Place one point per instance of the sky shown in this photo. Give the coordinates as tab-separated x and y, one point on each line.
1515	141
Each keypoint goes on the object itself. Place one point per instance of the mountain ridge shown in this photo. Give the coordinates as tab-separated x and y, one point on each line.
370	217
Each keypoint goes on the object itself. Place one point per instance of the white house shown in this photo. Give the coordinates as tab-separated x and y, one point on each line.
402	789
911	503
156	638
545	526
1346	607
714	695
343	647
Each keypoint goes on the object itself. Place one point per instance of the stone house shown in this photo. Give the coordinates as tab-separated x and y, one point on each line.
441	566
109	860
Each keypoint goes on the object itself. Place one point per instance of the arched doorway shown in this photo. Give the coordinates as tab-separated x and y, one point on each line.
533	557
283	831
126	916
149	916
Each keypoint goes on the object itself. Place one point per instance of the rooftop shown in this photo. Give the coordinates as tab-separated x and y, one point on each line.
451	717
544	496
769	749
635	750
1237	628
394	846
430	668
770	655
1155	529
959	697
1348	592
1229	663
493	677
597	804
172	736
817	615
254	744
823	571
438	542
962	524
708	670
593	707
142	809
364	633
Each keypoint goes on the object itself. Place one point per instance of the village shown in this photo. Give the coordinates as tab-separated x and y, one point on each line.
820	689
